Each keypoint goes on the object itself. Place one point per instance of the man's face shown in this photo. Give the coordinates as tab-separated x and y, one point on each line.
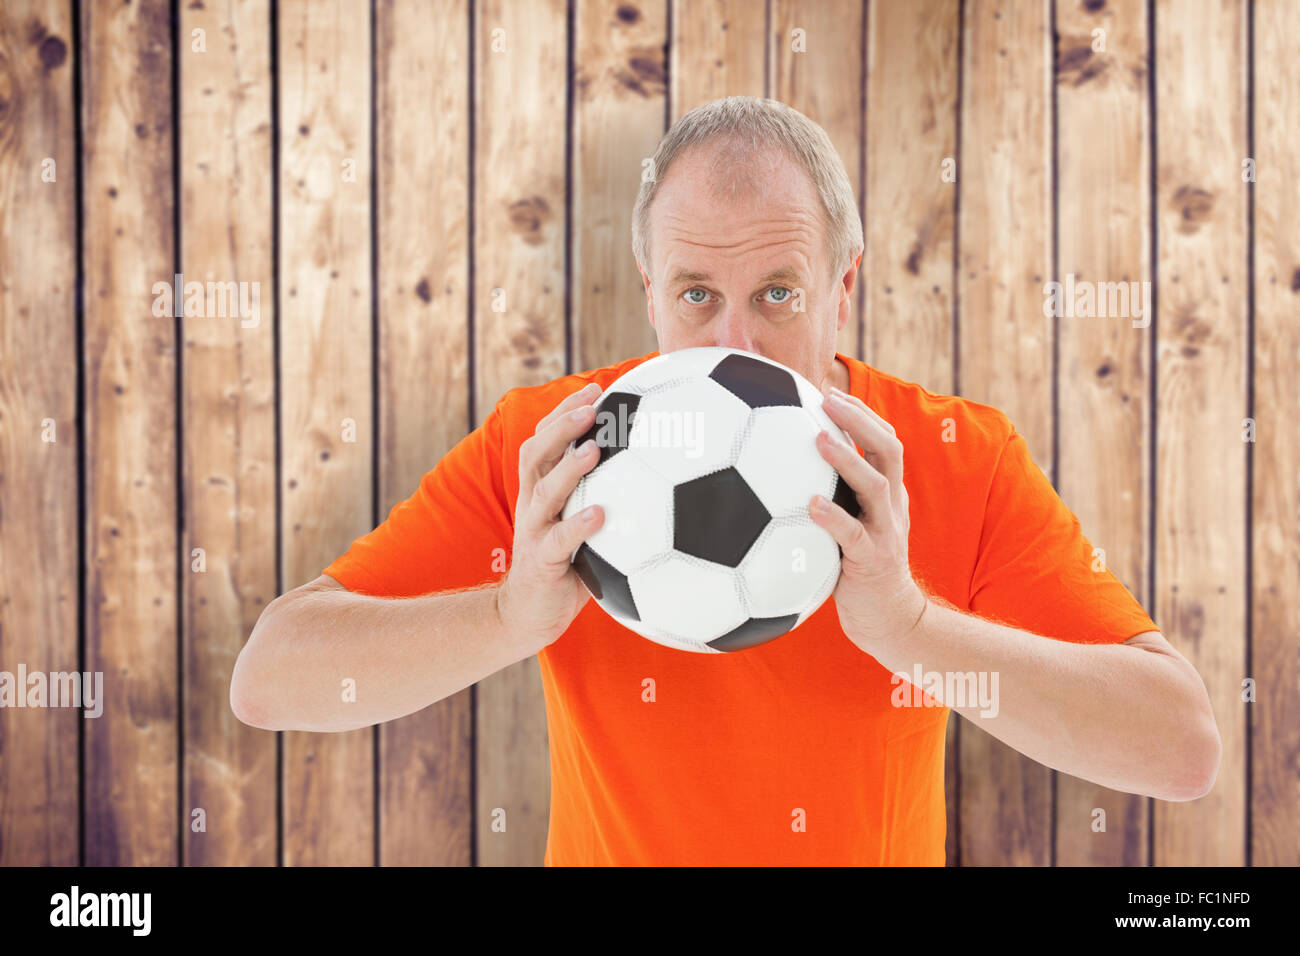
735	272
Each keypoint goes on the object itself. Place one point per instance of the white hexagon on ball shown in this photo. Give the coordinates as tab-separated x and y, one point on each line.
638	507
689	600
687	430
785	570
781	463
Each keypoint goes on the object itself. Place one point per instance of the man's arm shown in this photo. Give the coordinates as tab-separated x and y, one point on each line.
402	653
397	655
1134	717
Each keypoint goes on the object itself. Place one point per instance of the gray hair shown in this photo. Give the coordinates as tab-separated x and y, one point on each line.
746	126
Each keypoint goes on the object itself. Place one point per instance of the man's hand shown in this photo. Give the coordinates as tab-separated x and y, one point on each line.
542	594
877	599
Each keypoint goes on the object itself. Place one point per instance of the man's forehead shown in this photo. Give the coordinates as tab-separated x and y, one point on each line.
699	234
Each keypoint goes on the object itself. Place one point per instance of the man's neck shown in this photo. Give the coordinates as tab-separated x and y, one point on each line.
839	375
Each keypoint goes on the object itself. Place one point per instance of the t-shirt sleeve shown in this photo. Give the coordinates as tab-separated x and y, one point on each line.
455	531
1036	570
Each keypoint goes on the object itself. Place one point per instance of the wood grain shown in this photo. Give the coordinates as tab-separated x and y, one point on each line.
717	48
130	402
911	131
816	59
907	274
1104	166
520	122
325	382
39	817
619	92
1275	716
1005	347
422	147
1201	399
228	423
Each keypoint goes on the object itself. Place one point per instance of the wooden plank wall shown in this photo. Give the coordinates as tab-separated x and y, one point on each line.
228	407
433	201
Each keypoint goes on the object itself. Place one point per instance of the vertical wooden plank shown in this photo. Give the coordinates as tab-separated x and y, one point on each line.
907	276
1201	334
1005	346
325	380
817	60
422	150
1103	164
520	64
130	400
228	393
38	427
618	118
911	132
717	48
1275	728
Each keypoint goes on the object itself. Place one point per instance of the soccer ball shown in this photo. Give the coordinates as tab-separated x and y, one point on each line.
707	464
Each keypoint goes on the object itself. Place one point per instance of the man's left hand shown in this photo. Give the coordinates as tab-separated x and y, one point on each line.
877	599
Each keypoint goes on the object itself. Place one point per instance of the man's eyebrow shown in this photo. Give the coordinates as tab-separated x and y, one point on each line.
784	274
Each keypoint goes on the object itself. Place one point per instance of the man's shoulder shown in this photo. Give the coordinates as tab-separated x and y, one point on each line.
916	410
525	405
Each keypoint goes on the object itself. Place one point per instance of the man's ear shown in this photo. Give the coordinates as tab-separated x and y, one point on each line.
649	294
849	279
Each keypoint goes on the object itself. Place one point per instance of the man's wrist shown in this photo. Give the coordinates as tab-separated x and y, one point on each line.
925	606
906	608
509	627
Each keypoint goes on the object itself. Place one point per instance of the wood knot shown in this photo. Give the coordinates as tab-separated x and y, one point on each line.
54	52
643	74
1194	207
527	216
1077	65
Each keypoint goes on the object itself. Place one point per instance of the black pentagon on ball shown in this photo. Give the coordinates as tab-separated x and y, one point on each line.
614	415
755	631
606	583
717	517
755	382
845	497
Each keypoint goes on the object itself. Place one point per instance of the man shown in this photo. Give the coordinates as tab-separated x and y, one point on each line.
801	750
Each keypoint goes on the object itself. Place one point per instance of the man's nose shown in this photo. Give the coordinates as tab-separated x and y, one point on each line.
735	331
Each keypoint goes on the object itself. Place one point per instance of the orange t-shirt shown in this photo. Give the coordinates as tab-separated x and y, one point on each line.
788	753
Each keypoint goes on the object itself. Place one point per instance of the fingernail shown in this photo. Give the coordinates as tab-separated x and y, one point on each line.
589	514
579	413
587	447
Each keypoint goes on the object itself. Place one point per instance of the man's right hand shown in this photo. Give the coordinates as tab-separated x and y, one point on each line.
542	593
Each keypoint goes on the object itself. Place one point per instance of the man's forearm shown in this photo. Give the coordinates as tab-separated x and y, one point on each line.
1116	715
332	660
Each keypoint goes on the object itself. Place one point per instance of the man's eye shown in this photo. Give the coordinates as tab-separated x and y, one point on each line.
690	292
782	292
